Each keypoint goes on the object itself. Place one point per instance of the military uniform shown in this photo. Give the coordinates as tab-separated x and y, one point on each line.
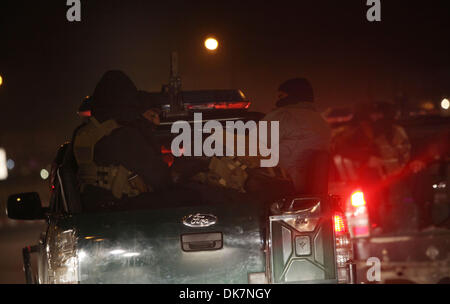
116	160
395	153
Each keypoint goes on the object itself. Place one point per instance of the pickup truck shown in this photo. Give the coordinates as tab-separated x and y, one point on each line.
411	251
211	235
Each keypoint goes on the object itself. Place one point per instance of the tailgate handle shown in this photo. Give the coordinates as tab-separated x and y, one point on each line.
202	241
202	245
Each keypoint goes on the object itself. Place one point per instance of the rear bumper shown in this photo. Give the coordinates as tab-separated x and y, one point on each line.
419	258
407	272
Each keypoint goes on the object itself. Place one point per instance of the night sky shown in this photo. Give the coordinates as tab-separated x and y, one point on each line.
49	64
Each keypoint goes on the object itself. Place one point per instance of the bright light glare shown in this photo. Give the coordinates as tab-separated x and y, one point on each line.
44	174
10	164
130	254
3	165
339	224
211	44
81	255
445	104
117	251
1	80
357	199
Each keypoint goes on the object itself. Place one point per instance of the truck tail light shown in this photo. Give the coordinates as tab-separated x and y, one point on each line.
86	113
340	224
236	105
344	248
357	199
357	216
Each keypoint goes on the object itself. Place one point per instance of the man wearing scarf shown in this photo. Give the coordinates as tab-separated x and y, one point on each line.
304	137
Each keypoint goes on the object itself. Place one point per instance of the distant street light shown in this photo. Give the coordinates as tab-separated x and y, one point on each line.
44	174
445	104
10	164
3	166
1	80
211	44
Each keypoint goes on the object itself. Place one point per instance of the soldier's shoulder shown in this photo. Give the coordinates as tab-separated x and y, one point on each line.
124	134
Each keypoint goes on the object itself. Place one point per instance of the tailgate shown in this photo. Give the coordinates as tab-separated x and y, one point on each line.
156	246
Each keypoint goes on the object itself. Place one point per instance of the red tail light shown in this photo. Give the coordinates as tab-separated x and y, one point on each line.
219	106
340	224
358	219
232	105
357	199
344	251
86	113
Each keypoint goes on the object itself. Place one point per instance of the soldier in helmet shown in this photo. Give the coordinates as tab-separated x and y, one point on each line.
116	154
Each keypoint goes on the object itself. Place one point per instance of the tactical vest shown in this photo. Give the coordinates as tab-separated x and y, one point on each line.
114	178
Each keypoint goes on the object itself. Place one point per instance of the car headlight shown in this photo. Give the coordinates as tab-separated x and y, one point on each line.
63	258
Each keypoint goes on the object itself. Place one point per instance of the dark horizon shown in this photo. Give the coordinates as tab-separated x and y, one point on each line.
49	64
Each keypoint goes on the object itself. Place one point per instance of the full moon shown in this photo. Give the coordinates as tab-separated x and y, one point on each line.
211	44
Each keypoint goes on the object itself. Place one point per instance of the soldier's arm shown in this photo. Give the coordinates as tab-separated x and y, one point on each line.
402	144
133	151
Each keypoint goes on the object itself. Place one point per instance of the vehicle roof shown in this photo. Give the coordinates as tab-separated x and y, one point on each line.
202	96
194	96
221	116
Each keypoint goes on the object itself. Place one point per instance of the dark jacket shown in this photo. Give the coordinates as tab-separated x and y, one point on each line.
304	134
131	145
128	147
302	128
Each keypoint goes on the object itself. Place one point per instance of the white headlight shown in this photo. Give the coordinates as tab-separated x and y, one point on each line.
64	259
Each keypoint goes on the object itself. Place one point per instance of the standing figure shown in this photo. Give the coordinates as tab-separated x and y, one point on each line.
304	137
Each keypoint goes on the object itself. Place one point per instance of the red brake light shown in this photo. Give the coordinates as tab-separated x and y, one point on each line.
357	214
86	113
340	224
344	251
220	106
237	105
357	199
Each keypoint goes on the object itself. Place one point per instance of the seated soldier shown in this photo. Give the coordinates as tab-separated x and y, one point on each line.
116	154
